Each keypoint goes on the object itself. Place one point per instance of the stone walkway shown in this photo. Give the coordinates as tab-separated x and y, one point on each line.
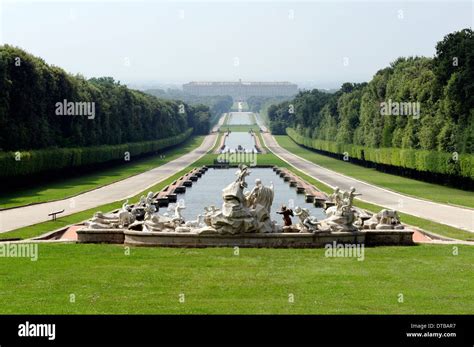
23	216
221	144
458	217
262	126
219	123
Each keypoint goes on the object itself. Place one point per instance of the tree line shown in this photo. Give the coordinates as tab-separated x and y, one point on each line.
30	90
438	92
257	103
217	104
43	128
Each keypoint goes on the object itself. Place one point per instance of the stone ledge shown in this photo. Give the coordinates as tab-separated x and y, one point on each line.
270	240
402	237
100	236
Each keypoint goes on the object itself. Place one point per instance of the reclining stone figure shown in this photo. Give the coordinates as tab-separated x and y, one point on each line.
385	219
307	223
342	216
121	219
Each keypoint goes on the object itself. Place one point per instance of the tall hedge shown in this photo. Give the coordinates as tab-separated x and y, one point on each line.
25	163
31	90
417	113
420	160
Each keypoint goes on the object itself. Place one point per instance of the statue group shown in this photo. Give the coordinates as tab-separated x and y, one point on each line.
245	211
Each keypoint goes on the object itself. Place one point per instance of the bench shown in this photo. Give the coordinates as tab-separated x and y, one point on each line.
55	213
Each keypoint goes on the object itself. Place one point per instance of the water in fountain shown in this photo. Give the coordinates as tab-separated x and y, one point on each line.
208	191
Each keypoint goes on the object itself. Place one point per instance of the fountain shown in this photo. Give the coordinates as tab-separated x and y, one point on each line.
244	220
239	142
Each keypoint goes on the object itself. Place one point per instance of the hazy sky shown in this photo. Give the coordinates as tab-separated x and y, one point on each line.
321	42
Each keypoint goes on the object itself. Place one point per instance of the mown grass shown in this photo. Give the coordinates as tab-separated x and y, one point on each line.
407	186
41	228
425	224
267	159
103	279
217	144
68	187
239	128
113	279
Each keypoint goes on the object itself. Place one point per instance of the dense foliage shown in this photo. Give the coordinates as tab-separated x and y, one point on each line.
218	104
17	164
35	139
443	87
30	90
257	103
435	162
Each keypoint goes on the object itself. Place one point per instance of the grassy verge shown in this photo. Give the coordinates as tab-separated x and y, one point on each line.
262	143
105	280
407	186
239	128
441	229
226	119
69	187
217	144
44	227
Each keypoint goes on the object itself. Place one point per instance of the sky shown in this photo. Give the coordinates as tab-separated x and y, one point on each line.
318	43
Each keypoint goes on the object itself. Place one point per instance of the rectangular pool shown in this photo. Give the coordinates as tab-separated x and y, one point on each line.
208	191
240	118
244	139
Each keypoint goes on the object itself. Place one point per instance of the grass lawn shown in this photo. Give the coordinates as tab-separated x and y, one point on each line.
239	128
41	228
217	144
104	280
73	186
226	119
262	159
420	189
441	229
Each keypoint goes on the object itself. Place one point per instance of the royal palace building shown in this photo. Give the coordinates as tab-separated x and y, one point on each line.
241	90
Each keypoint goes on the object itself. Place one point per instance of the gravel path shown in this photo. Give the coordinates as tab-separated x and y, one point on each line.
458	217
23	216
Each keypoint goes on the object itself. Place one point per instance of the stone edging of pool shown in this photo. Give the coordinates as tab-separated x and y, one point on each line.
267	240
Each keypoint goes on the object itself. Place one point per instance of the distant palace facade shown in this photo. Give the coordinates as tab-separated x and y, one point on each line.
241	90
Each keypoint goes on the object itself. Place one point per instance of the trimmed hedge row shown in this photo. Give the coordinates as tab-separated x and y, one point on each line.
44	160
420	160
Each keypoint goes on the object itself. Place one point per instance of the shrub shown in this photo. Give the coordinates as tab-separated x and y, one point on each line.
44	160
420	160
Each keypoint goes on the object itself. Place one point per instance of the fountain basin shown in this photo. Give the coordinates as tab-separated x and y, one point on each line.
101	236
268	240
